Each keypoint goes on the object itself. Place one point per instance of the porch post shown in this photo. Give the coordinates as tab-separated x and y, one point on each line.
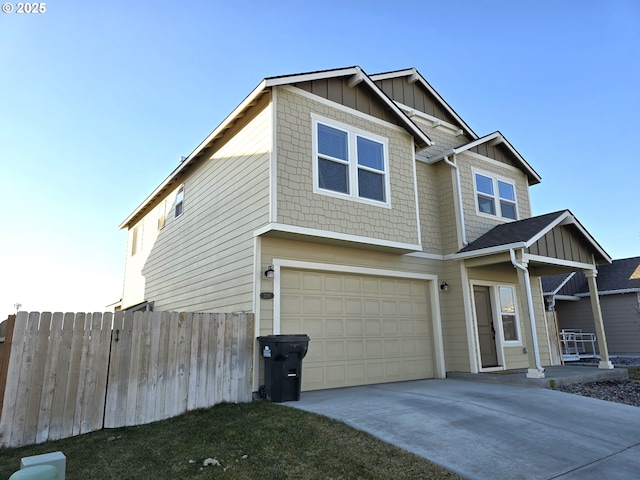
605	363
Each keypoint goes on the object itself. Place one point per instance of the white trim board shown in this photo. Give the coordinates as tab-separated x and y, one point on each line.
313	232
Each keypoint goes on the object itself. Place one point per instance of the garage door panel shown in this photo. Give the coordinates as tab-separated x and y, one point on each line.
372	307
334	327
355	349
354	327
334	351
363	329
390	326
372	328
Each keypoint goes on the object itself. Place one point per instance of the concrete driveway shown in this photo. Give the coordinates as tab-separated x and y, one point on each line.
492	431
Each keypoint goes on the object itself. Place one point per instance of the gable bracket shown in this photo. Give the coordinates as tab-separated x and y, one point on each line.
355	79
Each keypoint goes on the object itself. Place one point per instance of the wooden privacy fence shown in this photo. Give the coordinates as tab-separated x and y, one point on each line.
68	374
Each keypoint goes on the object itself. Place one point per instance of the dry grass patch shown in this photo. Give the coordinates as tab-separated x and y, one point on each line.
255	440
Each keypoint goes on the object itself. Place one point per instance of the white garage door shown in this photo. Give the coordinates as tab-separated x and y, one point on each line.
363	329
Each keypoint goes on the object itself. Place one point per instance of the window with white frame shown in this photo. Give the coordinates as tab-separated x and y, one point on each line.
162	207
508	313
179	203
496	197
136	239
350	162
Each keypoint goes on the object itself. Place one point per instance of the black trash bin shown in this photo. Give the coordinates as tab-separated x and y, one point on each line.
283	356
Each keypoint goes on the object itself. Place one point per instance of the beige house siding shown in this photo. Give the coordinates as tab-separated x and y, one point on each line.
477	225
429	198
298	205
454	326
203	260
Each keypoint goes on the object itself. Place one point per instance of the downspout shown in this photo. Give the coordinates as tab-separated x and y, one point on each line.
532	318
463	230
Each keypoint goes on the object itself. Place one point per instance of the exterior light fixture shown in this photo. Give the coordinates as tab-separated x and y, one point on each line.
444	286
269	272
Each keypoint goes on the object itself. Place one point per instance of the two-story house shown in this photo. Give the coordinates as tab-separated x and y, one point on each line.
363	211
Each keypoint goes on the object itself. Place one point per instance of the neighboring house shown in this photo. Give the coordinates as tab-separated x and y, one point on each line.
619	292
363	211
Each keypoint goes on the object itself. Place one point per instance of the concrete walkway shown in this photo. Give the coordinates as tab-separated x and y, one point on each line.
493	431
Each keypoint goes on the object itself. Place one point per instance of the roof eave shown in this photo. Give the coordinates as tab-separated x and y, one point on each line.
186	162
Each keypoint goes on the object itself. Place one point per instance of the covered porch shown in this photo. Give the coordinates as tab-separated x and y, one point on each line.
509	316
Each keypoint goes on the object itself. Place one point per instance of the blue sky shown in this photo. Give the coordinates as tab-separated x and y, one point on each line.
98	100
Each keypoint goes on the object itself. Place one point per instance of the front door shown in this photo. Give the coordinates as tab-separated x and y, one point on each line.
486	330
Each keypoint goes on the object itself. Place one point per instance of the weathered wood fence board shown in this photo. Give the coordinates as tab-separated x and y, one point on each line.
75	373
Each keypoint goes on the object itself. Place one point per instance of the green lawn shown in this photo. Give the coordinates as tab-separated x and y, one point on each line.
634	373
259	440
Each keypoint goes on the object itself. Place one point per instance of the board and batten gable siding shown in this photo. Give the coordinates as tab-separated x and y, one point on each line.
357	98
620	315
414	96
561	242
203	259
298	205
477	225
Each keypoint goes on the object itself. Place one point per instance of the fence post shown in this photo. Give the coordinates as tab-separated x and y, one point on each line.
5	353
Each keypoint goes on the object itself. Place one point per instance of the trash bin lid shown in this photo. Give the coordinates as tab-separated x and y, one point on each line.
285	338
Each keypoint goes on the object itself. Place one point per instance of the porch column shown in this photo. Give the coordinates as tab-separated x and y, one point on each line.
605	363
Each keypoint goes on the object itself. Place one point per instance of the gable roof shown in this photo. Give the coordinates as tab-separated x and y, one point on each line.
552	284
495	138
415	76
357	76
525	233
620	276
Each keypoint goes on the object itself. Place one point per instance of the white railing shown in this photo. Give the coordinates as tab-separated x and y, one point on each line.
576	344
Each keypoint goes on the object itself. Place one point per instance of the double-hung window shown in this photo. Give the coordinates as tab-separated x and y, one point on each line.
179	203
508	314
350	163
496	197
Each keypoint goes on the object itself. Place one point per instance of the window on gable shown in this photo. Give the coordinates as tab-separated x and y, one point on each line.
496	197
179	203
351	163
161	214
136	239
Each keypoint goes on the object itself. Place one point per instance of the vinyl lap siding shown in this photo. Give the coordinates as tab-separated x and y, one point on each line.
620	314
203	260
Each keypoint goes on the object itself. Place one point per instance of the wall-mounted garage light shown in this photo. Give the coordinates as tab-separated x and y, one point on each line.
444	286
269	272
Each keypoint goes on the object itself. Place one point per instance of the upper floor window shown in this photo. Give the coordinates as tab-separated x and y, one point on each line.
161	214
179	203
496	197
136	239
350	163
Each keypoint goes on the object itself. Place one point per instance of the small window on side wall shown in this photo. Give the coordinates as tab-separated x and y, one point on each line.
136	239
179	204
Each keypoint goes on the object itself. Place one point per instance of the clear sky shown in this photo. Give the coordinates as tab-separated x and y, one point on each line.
98	100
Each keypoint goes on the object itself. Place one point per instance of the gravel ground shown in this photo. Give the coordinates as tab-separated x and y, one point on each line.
622	391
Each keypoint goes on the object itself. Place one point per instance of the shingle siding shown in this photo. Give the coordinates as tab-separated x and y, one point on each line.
298	205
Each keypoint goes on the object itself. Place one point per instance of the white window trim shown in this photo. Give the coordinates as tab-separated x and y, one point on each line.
516	314
352	134
181	202
501	343
496	195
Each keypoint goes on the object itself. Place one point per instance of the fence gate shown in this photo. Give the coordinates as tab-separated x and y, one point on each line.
68	374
